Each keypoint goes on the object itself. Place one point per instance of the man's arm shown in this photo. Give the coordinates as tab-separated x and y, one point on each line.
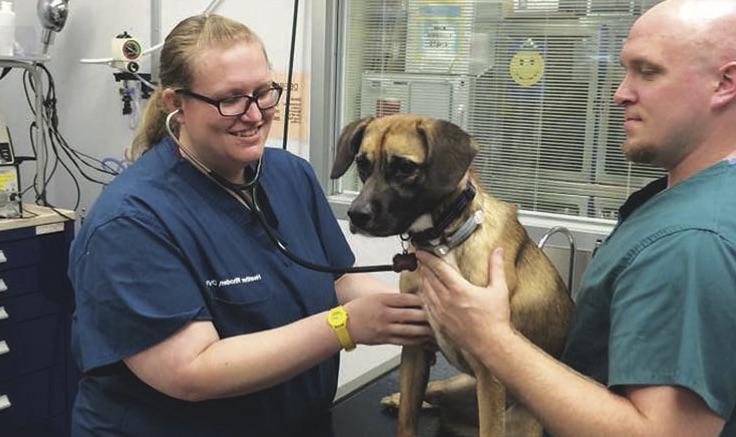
567	403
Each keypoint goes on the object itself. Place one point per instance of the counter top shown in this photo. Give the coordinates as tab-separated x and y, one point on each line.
360	414
36	215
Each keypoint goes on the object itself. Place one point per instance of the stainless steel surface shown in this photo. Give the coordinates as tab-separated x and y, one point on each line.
52	14
571	240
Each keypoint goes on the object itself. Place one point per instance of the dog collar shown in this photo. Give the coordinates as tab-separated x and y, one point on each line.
435	239
442	246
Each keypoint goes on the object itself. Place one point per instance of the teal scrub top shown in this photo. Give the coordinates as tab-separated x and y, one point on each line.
657	303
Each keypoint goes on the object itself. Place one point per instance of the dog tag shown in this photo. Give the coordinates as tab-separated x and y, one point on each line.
405	261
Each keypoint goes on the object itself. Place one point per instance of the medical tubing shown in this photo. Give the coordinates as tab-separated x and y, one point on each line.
208	10
290	72
211	7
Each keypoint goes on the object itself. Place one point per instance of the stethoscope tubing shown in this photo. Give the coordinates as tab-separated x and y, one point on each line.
252	186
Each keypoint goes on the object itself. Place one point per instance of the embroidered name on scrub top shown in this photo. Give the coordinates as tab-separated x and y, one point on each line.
232	281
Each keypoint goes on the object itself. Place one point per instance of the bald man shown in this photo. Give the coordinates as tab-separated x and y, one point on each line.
651	350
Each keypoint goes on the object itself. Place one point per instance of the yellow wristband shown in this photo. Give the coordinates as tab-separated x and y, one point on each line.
337	318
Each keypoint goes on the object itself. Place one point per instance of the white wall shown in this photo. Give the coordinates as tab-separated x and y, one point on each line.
89	104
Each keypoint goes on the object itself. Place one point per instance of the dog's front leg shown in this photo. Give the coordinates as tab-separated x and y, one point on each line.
491	404
413	378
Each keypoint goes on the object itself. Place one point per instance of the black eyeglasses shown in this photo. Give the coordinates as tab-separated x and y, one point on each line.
235	106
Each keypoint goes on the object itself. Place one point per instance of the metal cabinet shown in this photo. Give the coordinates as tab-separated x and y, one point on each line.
37	376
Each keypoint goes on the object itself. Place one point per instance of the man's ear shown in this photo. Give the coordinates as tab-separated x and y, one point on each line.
726	91
348	145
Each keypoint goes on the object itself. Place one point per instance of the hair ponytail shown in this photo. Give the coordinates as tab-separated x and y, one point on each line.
152	128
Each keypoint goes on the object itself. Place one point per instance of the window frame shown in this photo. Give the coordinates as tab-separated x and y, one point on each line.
328	25
324	92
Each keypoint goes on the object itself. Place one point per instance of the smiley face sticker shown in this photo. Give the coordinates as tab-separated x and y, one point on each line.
527	66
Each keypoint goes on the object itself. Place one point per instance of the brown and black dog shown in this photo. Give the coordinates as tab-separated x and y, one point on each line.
417	181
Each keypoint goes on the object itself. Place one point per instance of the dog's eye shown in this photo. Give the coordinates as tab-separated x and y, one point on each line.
403	167
364	167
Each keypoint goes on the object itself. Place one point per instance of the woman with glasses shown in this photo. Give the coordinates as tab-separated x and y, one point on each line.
188	320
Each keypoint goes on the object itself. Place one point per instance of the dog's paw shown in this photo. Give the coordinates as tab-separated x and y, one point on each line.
390	403
435	391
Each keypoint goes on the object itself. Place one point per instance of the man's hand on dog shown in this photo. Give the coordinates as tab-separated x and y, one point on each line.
468	314
396	318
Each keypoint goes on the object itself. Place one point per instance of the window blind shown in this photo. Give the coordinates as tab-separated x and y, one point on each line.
531	80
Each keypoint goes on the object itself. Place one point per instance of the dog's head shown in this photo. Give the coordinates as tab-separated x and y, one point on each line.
408	165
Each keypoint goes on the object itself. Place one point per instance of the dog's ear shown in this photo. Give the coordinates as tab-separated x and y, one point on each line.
348	145
450	150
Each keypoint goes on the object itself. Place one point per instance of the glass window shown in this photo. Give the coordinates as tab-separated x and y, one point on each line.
532	80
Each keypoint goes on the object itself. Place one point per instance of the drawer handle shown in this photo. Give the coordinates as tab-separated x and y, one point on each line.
4	314
3	258
3	285
4	348
5	402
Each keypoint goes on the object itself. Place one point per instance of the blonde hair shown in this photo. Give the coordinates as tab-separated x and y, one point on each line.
182	46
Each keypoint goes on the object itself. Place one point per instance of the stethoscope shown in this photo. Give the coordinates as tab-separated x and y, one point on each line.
401	261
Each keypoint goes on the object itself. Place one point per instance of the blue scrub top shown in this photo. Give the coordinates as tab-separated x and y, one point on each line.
165	245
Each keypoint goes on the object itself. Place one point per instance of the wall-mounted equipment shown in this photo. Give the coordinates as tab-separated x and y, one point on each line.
388	93
126	51
10	202
53	14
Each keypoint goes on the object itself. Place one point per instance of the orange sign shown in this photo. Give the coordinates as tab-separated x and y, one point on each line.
298	108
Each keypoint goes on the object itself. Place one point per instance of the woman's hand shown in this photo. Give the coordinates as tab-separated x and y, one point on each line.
468	314
394	318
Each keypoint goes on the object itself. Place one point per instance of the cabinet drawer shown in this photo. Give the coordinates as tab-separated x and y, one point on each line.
27	306
32	399
32	345
18	281
19	253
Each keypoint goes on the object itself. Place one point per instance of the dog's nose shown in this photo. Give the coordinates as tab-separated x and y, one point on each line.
360	215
